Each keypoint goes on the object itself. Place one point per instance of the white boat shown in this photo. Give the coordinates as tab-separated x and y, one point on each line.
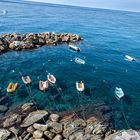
51	78
75	48
129	58
26	80
79	61
80	86
119	93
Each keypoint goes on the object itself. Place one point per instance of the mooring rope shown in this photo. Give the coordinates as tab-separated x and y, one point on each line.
33	100
122	110
80	103
61	93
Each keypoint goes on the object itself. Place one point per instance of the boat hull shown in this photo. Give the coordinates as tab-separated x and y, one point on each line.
51	78
78	88
26	80
12	87
43	85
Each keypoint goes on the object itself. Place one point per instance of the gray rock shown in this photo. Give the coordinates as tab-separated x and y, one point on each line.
78	136
3	108
4	134
38	134
33	117
49	134
56	127
41	127
27	136
26	106
12	120
30	129
97	137
89	129
54	117
57	137
15	130
100	129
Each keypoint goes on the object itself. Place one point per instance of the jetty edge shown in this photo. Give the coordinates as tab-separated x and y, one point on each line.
17	42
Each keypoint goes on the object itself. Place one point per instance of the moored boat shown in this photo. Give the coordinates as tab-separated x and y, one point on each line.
43	85
119	93
129	58
12	87
80	86
51	78
74	47
79	61
26	80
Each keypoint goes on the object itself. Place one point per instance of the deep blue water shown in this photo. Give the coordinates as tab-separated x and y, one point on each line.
108	37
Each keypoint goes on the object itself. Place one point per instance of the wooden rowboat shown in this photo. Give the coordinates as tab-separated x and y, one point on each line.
80	86
12	87
26	80
43	85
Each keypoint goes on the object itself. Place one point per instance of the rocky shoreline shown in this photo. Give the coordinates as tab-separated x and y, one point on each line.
26	122
19	42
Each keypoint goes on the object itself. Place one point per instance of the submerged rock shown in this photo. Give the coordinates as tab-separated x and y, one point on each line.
3	108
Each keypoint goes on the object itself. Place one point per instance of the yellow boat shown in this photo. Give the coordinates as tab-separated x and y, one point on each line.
12	87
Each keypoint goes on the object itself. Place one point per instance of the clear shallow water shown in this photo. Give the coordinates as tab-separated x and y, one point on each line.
108	36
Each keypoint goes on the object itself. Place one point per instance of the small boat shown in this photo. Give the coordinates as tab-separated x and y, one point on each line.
43	85
119	93
79	61
80	86
26	80
51	78
12	87
75	48
129	58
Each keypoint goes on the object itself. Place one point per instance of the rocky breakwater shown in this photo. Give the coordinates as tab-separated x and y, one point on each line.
30	40
27	123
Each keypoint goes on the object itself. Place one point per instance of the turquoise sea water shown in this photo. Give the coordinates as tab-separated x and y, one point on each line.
108	37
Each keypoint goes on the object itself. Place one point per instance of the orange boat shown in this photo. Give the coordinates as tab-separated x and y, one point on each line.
43	85
12	87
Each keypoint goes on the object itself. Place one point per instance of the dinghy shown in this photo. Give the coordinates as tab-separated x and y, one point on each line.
26	80
51	78
129	58
119	93
75	48
80	86
79	61
43	85
12	87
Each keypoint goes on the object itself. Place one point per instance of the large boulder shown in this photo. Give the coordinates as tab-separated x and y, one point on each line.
12	120
33	117
4	134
